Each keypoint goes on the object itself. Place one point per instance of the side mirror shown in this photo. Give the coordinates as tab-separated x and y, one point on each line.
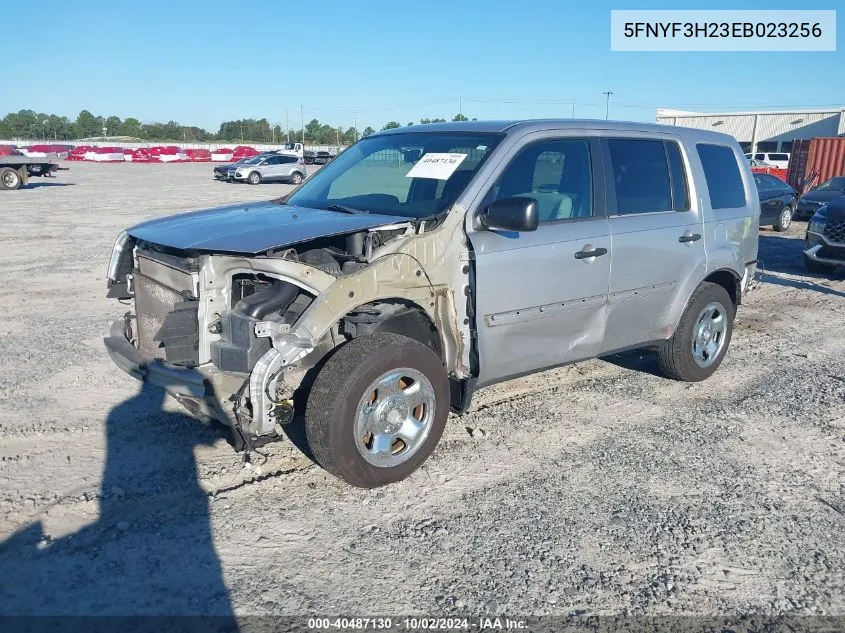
517	213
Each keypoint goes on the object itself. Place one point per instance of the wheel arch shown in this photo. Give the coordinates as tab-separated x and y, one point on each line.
395	316
730	281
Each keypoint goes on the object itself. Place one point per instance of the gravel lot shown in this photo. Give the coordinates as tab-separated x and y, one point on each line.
599	488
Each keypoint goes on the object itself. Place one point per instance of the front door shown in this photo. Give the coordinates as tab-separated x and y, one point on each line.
541	296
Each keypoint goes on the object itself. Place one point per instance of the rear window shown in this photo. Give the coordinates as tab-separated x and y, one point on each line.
724	182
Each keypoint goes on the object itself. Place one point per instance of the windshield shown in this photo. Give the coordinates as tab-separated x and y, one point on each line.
413	174
834	184
254	160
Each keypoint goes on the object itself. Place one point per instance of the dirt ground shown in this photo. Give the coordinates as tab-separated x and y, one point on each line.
600	488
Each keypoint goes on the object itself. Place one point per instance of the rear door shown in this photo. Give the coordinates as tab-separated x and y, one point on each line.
541	296
657	237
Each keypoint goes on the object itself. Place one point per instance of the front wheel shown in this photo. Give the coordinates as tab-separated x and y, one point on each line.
254	178
377	409
296	179
702	338
784	219
9	178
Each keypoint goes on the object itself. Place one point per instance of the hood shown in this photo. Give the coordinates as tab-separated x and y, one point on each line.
834	210
252	228
821	196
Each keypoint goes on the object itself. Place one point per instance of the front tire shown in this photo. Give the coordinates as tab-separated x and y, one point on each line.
702	338
784	219
377	409
296	179
10	178
254	178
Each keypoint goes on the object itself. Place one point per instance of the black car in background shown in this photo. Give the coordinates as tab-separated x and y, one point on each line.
777	201
824	241
821	195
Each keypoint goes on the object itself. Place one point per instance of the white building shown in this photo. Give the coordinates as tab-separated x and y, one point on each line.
762	131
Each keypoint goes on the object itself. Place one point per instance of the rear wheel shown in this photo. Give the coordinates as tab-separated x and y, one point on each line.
9	178
296	178
377	409
702	338
254	178
784	219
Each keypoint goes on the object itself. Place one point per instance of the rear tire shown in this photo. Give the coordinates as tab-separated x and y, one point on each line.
372	394
702	339
10	179
296	179
784	219
254	178
817	267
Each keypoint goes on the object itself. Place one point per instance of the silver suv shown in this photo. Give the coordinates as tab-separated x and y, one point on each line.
270	167
423	264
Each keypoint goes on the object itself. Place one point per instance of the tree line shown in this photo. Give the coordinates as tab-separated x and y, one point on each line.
28	124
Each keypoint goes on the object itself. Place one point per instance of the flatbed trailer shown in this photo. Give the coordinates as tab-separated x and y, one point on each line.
15	171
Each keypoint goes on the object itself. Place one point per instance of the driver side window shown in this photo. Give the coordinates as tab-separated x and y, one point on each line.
557	174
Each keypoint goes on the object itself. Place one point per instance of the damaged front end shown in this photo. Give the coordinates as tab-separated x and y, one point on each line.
233	337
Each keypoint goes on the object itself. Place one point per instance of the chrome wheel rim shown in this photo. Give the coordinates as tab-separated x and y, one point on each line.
785	218
254	179
297	179
708	337
394	417
10	178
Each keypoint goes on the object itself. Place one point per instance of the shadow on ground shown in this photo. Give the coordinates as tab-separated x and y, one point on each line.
781	254
152	539
36	185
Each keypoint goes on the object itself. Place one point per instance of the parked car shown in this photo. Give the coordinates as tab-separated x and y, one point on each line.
221	172
273	167
824	242
821	195
775	159
323	158
383	293
777	201
310	156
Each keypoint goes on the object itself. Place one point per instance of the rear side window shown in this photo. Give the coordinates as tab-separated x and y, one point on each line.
640	176
779	156
724	182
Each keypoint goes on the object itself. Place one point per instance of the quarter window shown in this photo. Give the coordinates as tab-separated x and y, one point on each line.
721	172
557	174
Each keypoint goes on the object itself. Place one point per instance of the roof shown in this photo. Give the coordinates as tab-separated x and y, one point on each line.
536	125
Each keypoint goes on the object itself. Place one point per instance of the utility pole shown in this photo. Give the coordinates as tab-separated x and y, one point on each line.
355	126
302	120
287	126
607	93
573	109
460	106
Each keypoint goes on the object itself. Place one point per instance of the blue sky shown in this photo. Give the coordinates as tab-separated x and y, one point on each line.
204	62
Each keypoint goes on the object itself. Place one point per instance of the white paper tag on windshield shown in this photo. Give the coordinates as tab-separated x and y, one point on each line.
437	166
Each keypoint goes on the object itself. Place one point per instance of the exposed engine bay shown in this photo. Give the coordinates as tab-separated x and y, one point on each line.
255	326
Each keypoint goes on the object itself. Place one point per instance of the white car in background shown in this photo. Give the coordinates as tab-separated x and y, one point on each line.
775	159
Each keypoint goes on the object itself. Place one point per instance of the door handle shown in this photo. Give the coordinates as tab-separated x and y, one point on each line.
596	252
693	237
